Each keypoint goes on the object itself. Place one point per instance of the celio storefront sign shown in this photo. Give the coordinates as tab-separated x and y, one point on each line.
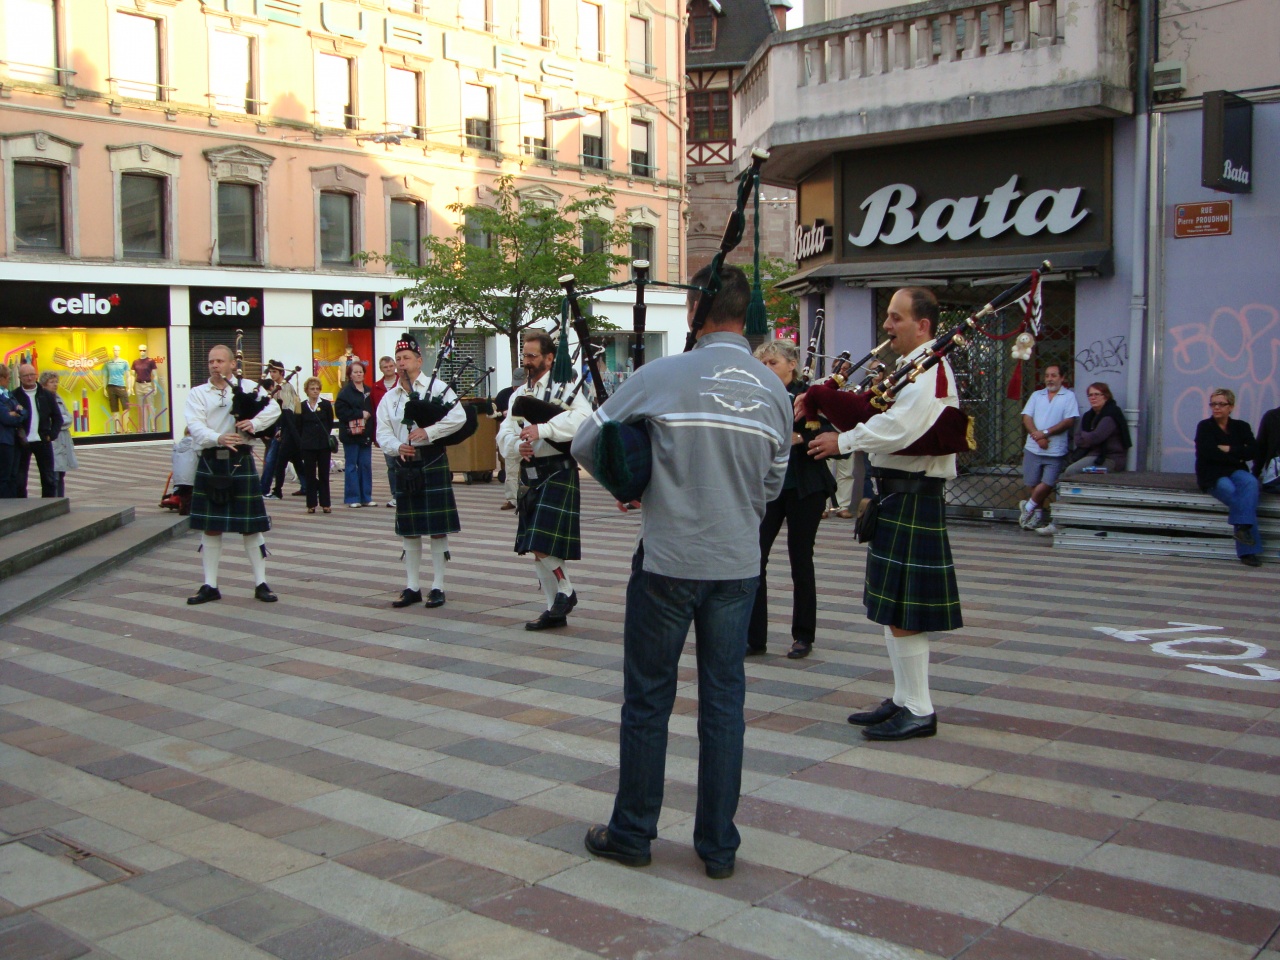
352	311
995	194
221	307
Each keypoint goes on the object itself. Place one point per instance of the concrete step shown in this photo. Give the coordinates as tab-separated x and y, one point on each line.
1149	544
68	570
1197	522
35	544
17	515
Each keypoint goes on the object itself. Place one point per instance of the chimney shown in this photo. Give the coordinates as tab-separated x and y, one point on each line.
779	9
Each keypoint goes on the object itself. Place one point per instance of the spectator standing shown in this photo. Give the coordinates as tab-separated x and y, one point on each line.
315	425
64	448
387	380
43	423
1048	418
354	409
1224	447
275	459
13	421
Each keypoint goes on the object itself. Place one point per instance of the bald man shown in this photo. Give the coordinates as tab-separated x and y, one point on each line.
44	423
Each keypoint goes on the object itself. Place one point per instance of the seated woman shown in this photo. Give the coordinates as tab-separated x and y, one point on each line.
804	493
1223	448
1102	436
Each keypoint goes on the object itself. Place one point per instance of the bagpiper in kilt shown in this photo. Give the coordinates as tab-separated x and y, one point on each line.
423	481
549	502
910	585
227	497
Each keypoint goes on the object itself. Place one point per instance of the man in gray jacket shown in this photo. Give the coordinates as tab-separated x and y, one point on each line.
720	426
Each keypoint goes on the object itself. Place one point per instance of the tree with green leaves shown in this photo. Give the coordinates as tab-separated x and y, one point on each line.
783	309
500	270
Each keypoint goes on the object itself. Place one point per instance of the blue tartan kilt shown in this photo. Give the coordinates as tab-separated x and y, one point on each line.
548	515
910	577
431	512
236	509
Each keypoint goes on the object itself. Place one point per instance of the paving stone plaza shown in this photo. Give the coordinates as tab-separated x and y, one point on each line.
326	777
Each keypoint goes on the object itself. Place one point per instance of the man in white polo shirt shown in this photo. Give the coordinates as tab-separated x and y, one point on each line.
1048	418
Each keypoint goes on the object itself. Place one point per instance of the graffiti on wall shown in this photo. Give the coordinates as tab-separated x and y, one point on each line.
1235	348
1104	357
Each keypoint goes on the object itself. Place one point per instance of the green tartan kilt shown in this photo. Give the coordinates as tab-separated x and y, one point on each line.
238	509
548	516
910	578
431	513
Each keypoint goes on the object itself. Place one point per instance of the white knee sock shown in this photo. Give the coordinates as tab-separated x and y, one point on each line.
913	658
546	580
439	557
211	554
890	643
253	544
555	567
412	562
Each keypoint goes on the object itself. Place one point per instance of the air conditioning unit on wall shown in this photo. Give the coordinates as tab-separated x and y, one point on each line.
1169	76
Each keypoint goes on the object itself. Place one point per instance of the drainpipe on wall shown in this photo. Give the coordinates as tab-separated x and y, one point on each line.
1141	187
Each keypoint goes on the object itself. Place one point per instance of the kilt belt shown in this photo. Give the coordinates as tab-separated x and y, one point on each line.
549	508
921	486
545	466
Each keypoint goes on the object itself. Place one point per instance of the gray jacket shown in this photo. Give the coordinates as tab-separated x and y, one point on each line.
720	424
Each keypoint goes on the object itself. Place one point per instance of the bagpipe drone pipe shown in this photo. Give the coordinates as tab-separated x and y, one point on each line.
246	403
952	432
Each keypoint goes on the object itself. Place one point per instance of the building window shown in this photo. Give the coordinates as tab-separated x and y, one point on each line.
710	116
136	57
142	216
641	149
533	128
592	238
231	72
638	46
475	14
406	230
404	103
477	117
642	243
38	208
336	224
473	234
237	223
593	152
702	32
533	23
31	47
589	31
335	102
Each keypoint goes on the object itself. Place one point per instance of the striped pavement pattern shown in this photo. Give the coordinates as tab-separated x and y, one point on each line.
329	777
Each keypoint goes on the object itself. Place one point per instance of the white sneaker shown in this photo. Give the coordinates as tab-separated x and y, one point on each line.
369	503
1030	521
1047	530
352	505
1026	510
391	502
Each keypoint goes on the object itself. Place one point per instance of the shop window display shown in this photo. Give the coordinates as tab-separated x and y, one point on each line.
113	381
332	350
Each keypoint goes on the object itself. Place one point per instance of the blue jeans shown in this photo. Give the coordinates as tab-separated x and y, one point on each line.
1240	493
658	614
269	465
357	485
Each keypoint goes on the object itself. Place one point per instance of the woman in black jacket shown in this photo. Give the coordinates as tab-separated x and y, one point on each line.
805	490
355	430
1224	448
315	423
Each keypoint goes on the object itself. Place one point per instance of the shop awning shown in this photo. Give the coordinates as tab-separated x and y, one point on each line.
1077	263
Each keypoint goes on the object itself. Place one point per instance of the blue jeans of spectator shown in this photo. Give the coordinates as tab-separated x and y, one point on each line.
391	473
269	464
658	614
1240	493
357	484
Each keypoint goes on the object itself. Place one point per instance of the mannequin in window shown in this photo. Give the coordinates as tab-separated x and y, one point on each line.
117	371
142	385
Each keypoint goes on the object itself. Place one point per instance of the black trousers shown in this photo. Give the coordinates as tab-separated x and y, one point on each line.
802	516
8	470
315	468
42	452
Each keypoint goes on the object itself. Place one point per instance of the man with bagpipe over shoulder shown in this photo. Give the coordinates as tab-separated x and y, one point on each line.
223	416
414	418
543	416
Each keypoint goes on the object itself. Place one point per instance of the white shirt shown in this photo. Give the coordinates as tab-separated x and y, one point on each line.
209	416
33	428
914	411
1045	412
562	427
392	432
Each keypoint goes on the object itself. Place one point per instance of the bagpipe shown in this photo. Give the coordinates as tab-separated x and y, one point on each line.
246	403
952	432
429	410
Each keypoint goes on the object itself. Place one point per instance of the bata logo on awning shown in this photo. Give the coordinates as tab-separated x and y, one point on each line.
347	308
86	303
227	307
811	241
1056	211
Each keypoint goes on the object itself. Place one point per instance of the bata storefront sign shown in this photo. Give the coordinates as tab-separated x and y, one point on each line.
812	240
225	307
353	311
997	194
1227	144
85	304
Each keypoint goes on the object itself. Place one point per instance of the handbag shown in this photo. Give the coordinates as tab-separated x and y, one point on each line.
333	443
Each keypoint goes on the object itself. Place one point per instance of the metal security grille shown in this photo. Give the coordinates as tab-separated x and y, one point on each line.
204	339
990	478
466	346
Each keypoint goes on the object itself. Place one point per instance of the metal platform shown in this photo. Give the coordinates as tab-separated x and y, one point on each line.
1113	541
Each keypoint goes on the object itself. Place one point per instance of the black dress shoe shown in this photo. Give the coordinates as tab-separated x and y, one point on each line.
298	493
408	598
879	715
720	871
800	649
562	605
263	592
435	598
204	595
903	725
1251	560
1244	533
546	621
601	844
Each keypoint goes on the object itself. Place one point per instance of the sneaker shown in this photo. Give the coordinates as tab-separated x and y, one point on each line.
1047	529
1030	519
367	503
352	506
270	496
391	502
